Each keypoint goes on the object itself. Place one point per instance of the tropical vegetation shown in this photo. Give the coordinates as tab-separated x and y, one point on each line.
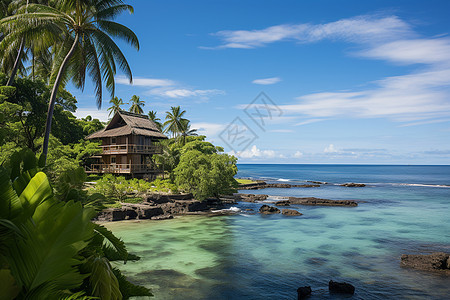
116	104
82	31
136	105
50	249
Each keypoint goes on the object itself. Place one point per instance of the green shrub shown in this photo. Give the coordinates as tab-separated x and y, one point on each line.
206	175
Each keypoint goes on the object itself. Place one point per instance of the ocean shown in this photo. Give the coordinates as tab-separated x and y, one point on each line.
402	210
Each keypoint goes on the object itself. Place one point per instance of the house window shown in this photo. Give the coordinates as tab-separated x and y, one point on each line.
113	159
113	140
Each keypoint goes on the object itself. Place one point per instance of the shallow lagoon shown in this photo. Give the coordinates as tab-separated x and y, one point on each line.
267	257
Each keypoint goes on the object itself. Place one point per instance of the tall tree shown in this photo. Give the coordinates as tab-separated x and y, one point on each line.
86	28
152	116
18	58
186	130
136	105
174	123
115	107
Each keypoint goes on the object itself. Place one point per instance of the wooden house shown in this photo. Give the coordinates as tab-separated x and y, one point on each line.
128	143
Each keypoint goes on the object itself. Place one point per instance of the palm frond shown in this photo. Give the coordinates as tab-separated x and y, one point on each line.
120	31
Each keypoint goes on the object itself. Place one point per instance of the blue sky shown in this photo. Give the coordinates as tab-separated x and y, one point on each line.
348	81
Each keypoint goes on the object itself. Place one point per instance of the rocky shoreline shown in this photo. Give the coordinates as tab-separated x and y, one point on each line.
166	206
259	185
296	200
161	207
264	185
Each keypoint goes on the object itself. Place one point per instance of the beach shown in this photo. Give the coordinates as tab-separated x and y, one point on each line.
401	210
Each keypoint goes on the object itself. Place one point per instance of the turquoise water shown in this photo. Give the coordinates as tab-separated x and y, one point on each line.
251	256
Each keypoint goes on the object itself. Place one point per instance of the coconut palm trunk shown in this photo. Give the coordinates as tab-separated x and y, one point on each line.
51	104
18	59
16	64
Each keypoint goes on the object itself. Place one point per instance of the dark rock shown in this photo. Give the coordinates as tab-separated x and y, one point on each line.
148	213
448	263
222	212
305	185
116	214
291	212
227	199
303	292
162	217
157	198
197	206
164	198
352	184
437	261
248	209
266	209
322	202
282	203
250	197
251	185
341	287
183	207
317	182
259	186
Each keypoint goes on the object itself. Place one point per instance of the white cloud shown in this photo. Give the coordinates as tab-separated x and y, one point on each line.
358	29
425	122
307	122
208	129
184	93
254	152
330	149
424	51
267	81
167	88
298	154
419	96
147	82
410	97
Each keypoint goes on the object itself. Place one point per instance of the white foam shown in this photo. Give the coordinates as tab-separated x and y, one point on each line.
282	179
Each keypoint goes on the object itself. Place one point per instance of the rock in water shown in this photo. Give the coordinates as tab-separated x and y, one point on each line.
290	212
266	209
341	287
282	203
431	262
352	184
321	202
250	197
303	292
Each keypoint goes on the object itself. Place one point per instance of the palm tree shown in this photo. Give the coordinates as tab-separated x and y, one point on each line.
86	29
136	105
174	120
14	56
115	107
156	120
186	130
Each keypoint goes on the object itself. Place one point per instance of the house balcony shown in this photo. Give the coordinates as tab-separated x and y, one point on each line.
131	149
124	169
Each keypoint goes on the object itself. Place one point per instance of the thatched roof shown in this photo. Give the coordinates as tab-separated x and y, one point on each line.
125	123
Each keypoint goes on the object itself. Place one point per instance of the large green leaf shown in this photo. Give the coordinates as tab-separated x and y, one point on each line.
10	205
113	244
37	191
45	261
103	282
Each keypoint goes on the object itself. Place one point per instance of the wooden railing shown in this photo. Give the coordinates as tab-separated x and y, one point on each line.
131	148
123	168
